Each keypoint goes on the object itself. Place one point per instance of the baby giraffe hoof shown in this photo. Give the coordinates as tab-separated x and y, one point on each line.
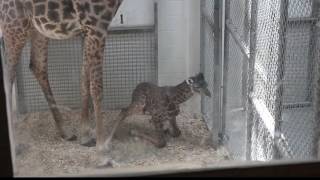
161	144
173	133
176	133
88	142
69	137
107	163
133	133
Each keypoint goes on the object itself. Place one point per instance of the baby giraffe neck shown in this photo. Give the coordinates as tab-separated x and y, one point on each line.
182	92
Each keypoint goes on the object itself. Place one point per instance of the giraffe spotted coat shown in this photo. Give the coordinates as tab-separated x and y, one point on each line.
41	20
162	103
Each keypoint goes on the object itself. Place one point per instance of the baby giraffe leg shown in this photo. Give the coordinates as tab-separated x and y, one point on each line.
122	116
136	107
159	141
174	130
125	112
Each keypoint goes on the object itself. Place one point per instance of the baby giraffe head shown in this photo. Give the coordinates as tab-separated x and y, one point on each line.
199	85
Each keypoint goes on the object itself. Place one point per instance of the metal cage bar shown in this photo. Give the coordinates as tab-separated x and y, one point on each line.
280	75
316	81
250	80
220	63
223	136
209	57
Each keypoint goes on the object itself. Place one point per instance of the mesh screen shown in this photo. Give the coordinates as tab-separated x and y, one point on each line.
297	80
130	58
64	62
234	107
284	50
283	78
235	75
207	58
262	141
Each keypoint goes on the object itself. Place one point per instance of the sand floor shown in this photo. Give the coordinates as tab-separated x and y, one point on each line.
41	152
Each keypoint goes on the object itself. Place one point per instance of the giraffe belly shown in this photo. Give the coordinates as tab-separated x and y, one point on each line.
61	30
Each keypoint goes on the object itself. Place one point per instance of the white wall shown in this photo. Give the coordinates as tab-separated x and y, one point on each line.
135	13
179	43
193	47
172	41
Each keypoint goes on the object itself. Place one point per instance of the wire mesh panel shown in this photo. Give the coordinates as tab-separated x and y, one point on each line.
207	59
65	59
298	113
235	75
283	79
276	41
130	58
265	78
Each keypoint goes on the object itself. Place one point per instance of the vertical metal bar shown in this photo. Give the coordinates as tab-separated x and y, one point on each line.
223	51
244	72
280	75
202	60
313	41
156	41
224	67
316	80
217	73
250	80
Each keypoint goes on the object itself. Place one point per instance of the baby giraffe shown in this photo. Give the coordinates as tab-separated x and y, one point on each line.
162	103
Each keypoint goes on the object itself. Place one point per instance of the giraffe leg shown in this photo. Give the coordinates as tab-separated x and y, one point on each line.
121	117
174	130
133	108
158	141
39	67
94	49
106	161
86	138
14	41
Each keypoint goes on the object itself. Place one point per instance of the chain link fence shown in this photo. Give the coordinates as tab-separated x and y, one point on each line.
268	76
209	53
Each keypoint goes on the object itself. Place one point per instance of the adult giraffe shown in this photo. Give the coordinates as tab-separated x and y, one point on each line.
41	20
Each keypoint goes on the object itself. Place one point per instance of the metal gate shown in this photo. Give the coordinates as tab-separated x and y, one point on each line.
264	72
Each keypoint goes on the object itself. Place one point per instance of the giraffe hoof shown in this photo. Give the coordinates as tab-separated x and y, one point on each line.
70	137
88	143
173	133
161	144
106	163
176	133
133	133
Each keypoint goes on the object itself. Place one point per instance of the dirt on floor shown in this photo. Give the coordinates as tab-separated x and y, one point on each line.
41	152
